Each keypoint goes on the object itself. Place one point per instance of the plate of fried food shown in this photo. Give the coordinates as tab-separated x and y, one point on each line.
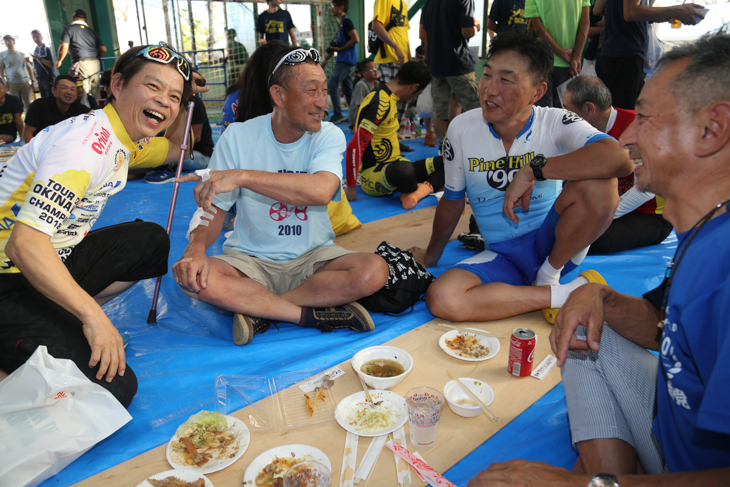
208	442
471	347
357	415
268	469
176	478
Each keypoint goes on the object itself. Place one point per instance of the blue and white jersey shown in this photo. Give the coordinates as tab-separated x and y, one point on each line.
477	165
264	227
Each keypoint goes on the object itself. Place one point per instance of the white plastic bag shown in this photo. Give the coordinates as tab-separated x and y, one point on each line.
425	103
50	414
654	50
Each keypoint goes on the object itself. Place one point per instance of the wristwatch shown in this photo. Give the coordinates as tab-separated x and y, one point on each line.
537	163
604	480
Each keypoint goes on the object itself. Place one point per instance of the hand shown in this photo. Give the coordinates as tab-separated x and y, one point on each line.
566	55
58	64
518	192
400	56
574	67
351	193
262	41
583	308
687	13
199	83
420	255
219	182
527	474
478	25
191	273
107	347
36	56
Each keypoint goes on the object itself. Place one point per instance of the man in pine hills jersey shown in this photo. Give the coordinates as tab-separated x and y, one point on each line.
281	169
511	158
638	221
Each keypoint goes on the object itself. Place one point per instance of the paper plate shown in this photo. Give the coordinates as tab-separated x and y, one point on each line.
185	475
299	451
347	409
490	342
244	438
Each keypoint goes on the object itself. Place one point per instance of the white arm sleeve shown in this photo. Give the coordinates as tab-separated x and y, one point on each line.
631	200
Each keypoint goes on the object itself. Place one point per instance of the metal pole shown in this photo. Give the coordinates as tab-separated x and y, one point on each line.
192	25
211	26
167	22
174	24
152	316
136	5
144	19
225	14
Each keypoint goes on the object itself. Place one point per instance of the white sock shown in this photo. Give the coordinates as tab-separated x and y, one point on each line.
559	294
547	274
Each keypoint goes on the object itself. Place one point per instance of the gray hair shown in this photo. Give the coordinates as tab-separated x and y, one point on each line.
589	89
705	79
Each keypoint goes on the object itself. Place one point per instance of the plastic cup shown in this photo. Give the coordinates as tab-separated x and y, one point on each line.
424	412
307	474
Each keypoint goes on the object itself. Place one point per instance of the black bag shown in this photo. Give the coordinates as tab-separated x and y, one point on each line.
375	44
407	282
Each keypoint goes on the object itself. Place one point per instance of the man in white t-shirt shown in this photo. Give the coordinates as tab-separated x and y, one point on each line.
281	170
509	154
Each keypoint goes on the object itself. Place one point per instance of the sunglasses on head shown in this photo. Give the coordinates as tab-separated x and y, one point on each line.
164	55
297	56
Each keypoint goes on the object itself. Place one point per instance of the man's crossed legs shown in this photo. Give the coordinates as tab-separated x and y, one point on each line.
496	283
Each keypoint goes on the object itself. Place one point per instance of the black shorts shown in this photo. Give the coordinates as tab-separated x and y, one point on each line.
127	252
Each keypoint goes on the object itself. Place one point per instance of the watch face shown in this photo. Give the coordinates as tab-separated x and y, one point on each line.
604	480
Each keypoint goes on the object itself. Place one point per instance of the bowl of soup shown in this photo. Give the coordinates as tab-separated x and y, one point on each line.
382	367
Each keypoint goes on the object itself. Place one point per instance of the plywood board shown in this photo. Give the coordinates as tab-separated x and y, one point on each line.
457	436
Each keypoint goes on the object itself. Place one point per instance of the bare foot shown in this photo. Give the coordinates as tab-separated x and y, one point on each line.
410	200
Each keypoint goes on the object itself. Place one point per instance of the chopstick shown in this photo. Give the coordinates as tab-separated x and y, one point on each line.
469	330
365	388
373	469
490	413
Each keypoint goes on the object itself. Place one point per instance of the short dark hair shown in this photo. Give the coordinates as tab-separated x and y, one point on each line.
254	99
345	4
537	52
414	72
362	66
106	79
705	79
586	89
62	77
129	64
8	36
79	14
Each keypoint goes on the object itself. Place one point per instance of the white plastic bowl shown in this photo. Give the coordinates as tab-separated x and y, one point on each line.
454	394
382	352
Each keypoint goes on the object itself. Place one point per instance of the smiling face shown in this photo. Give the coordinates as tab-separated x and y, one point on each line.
301	103
149	101
65	91
506	90
660	137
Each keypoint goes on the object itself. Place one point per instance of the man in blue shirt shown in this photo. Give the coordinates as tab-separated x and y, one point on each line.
346	50
280	264
631	413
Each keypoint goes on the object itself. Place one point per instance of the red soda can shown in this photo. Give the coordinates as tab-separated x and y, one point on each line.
521	352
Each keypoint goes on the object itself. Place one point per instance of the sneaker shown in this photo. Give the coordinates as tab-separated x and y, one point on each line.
592	276
352	316
125	340
337	118
472	241
160	176
245	327
429	140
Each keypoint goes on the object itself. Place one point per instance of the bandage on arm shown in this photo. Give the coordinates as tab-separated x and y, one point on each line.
353	154
201	217
631	200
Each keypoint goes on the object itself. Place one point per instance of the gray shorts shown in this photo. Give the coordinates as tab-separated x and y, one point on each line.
387	71
280	277
611	393
464	87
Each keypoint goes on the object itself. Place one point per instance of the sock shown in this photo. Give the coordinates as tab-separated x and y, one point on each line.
547	274
307	319
559	293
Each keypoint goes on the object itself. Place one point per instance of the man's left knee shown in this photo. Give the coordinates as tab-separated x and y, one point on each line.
373	274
